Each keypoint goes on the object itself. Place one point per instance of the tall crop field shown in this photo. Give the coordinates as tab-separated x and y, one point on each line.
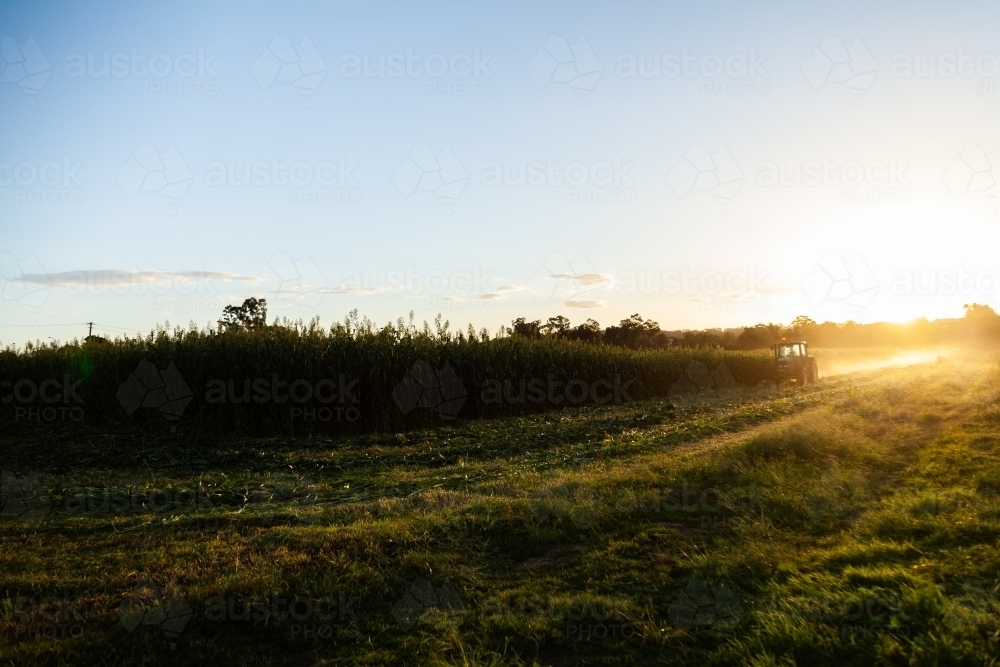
297	378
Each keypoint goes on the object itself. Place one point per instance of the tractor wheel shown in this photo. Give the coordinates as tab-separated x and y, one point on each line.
800	378
813	373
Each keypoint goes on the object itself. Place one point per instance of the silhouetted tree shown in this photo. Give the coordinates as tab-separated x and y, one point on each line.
556	326
251	315
525	329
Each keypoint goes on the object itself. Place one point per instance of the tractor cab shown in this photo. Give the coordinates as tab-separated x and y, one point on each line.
796	349
792	361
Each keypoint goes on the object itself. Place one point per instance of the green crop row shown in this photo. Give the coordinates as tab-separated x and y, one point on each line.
294	378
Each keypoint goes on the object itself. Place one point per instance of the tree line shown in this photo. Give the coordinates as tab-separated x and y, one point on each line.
980	322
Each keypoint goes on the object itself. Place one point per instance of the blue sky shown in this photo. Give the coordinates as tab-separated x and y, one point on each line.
709	165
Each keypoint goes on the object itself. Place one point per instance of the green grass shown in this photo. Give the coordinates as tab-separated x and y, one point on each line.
852	523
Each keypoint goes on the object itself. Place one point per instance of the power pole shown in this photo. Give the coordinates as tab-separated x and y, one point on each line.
90	332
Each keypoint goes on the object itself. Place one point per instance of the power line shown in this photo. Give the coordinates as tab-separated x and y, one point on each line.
65	324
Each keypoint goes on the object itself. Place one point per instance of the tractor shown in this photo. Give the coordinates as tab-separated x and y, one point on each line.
792	361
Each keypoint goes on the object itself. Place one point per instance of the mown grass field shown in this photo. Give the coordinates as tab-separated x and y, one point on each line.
855	522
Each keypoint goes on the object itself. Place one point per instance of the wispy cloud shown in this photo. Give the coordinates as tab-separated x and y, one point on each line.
584	279
118	277
492	296
583	304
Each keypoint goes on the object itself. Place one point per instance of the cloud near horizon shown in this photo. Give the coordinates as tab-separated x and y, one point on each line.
118	277
583	304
